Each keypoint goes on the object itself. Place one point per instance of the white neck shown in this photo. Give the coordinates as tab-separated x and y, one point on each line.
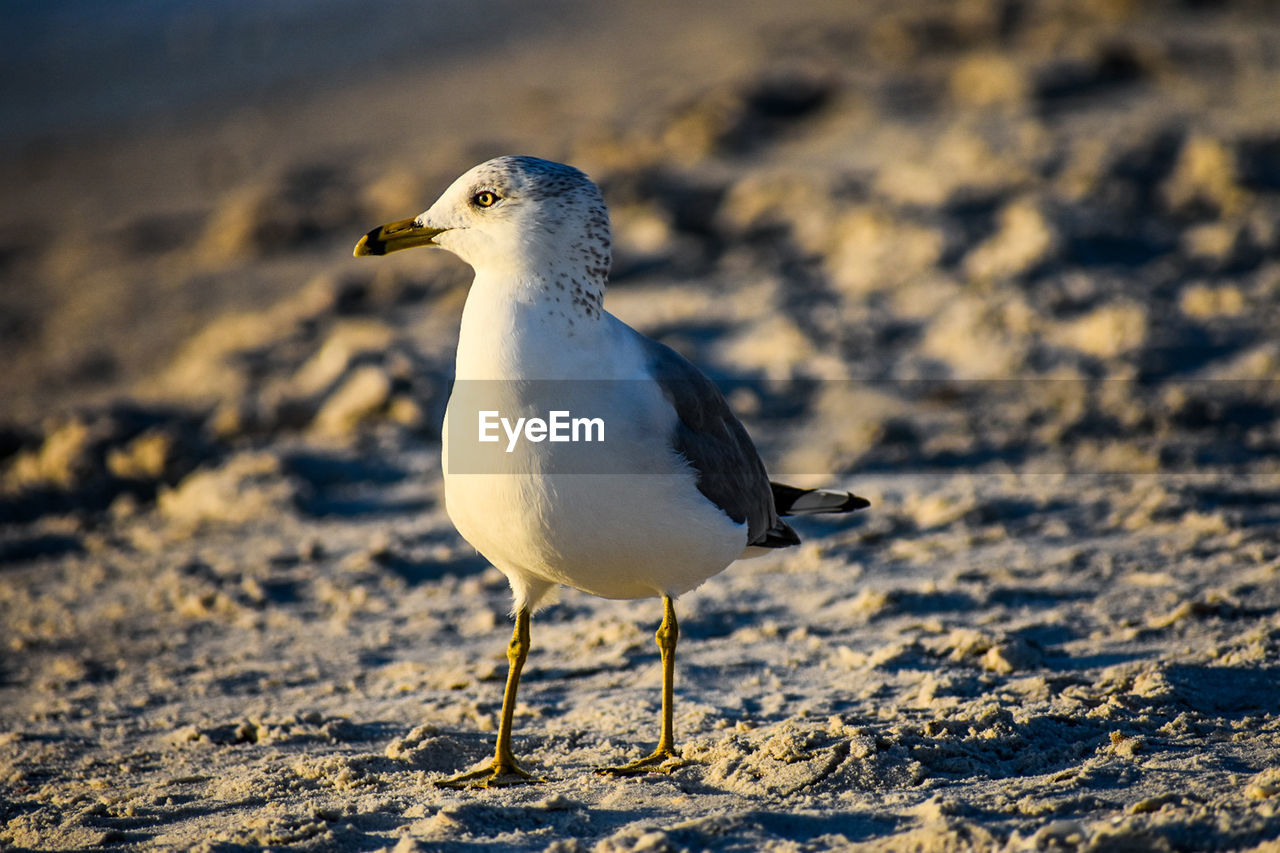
534	326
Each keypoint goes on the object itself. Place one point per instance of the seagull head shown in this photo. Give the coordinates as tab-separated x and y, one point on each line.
511	215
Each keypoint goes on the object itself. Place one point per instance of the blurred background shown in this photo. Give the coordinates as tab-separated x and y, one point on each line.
906	203
1008	268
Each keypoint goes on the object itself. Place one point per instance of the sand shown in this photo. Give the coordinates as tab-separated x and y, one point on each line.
1012	271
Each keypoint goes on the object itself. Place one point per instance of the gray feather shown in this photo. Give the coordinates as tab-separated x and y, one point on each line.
788	500
717	447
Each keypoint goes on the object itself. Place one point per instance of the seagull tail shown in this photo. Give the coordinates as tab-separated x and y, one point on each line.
779	536
788	500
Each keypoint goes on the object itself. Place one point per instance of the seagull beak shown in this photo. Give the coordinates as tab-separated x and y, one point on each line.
394	236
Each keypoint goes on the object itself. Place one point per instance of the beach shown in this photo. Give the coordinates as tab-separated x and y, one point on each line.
1011	271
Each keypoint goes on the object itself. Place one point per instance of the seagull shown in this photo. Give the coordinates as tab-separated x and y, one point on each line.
672	494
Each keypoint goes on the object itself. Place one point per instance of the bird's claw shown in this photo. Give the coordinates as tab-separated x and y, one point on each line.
658	761
493	774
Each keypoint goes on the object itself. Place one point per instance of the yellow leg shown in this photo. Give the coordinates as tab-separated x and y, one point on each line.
664	757
503	769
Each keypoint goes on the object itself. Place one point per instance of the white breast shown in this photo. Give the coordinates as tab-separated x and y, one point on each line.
634	524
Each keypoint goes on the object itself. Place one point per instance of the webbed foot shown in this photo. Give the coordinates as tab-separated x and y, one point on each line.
659	761
493	774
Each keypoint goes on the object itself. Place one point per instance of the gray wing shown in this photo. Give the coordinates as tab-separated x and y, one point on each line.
717	447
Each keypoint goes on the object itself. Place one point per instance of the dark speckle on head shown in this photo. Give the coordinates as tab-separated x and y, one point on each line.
533	178
572	216
540	226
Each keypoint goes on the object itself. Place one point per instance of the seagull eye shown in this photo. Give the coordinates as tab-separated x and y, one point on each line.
484	198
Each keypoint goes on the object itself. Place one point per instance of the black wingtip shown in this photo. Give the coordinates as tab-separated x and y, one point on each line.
854	503
789	500
781	535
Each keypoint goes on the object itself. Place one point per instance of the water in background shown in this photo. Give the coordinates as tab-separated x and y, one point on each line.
72	66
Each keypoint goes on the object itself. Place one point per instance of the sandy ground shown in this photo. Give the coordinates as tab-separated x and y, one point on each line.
1010	270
